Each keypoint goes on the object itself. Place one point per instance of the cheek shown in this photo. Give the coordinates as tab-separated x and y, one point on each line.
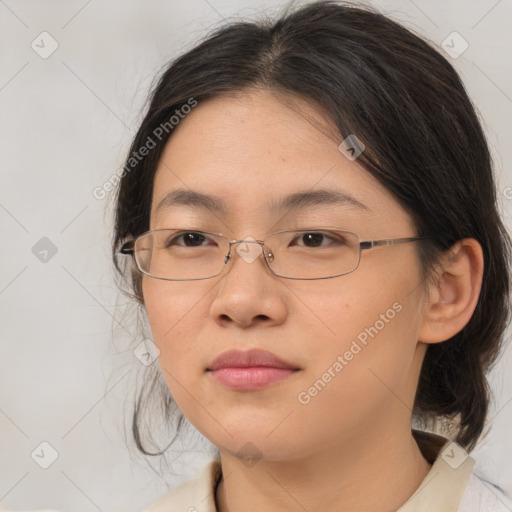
366	333
343	309
175	316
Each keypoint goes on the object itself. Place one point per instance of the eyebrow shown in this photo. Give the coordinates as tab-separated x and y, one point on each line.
297	200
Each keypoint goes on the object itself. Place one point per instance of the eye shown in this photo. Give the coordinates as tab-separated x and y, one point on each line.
316	239
187	239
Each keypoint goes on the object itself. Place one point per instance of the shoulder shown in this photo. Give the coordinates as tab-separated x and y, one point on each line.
196	495
482	496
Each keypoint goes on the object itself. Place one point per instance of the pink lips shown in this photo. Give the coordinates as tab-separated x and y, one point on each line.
250	370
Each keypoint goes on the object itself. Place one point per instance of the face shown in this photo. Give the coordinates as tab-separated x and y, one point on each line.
351	340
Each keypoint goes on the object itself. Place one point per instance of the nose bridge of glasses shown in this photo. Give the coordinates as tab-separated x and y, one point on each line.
249	249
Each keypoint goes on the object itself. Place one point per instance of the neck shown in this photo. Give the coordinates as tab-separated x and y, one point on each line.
374	473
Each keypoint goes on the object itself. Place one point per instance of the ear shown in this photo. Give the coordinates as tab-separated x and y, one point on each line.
453	295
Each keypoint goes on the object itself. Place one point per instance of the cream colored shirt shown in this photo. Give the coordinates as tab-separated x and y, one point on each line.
450	485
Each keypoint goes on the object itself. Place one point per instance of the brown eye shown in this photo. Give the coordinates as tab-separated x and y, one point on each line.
187	239
313	239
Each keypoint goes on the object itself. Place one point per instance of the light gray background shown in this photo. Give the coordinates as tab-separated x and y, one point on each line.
66	124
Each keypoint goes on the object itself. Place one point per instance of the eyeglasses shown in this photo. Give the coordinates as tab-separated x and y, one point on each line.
316	253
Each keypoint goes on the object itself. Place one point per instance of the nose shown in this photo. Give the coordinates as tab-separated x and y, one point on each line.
248	293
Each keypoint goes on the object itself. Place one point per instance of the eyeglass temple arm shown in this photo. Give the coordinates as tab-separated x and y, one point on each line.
127	247
389	241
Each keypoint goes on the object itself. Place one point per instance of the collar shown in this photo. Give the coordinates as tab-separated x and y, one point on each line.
444	485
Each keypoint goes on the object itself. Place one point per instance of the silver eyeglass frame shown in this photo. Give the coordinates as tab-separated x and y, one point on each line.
128	247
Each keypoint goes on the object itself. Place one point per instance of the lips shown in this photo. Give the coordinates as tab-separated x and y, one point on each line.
251	358
251	370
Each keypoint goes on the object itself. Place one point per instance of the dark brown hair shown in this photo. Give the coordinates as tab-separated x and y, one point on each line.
424	143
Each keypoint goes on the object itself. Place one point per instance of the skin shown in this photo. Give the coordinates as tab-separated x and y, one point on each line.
350	448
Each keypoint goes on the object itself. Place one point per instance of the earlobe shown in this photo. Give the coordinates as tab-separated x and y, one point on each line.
453	295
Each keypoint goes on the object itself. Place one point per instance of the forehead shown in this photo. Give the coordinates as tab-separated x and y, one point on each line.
254	148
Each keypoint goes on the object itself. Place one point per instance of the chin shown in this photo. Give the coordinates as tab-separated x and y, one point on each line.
244	440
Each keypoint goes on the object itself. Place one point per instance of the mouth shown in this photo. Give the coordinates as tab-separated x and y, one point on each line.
251	370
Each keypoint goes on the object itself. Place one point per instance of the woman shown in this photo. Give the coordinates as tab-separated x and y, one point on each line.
310	215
